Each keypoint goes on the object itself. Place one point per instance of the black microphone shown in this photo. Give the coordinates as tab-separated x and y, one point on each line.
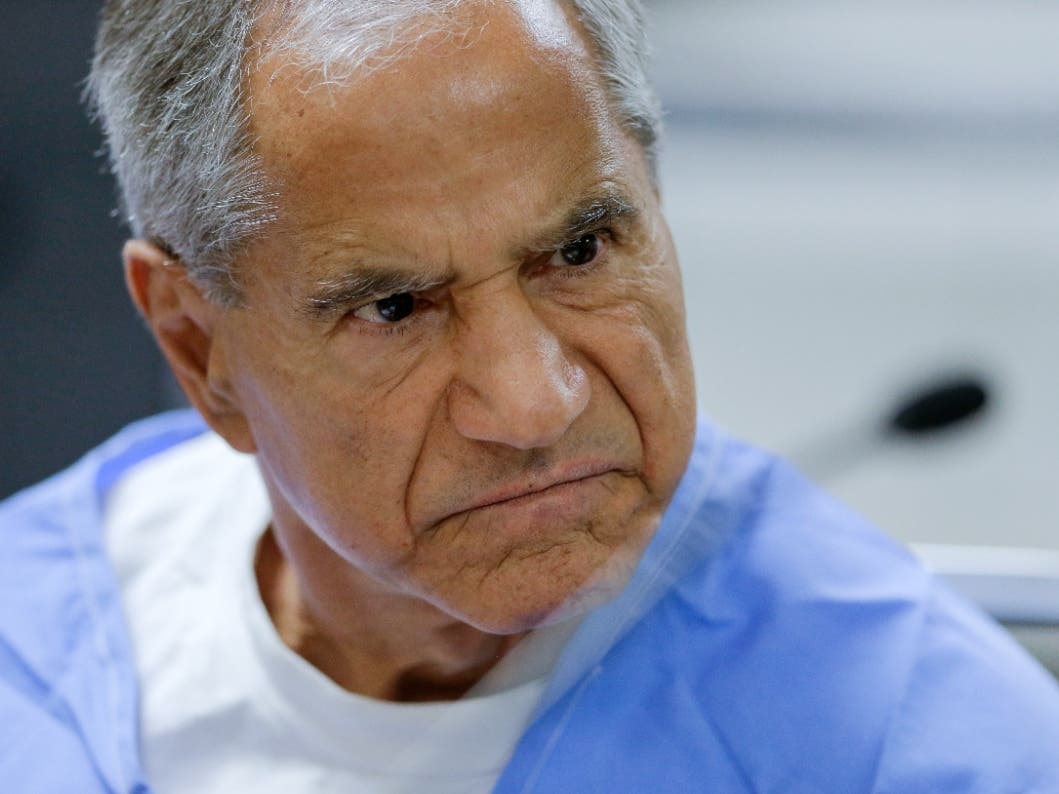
939	407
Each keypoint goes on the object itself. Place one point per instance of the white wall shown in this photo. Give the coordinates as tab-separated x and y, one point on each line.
863	195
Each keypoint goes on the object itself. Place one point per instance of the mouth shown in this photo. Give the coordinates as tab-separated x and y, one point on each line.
540	486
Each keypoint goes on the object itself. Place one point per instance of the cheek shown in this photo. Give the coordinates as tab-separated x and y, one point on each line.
640	344
333	484
639	329
335	462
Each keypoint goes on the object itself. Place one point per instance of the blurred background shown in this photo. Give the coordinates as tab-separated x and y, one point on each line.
75	364
865	196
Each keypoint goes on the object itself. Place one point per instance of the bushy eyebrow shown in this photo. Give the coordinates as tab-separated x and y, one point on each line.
608	208
362	284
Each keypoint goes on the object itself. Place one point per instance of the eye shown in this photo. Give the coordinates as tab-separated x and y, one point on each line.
582	251
389	310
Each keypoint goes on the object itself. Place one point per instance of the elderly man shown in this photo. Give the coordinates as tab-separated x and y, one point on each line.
449	525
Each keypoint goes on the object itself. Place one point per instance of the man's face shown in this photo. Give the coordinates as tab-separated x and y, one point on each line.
462	358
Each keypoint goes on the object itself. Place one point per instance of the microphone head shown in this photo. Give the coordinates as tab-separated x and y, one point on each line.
940	406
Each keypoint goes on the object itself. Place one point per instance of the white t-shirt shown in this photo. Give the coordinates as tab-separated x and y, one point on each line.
225	705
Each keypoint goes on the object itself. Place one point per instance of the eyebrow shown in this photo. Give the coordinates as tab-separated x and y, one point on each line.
360	285
594	212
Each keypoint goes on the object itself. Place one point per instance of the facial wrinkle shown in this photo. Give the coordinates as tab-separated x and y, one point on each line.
413	472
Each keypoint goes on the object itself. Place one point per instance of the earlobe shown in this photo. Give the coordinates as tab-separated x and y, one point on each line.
187	328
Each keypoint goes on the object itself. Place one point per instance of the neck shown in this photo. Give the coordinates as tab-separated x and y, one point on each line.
378	644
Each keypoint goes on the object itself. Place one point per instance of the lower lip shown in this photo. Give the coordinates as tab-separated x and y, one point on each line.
555	501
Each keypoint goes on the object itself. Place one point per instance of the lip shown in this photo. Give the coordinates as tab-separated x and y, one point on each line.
528	487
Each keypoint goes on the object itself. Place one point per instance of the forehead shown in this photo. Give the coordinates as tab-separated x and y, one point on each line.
503	106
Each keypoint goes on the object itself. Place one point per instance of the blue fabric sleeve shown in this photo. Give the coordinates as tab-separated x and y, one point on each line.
67	678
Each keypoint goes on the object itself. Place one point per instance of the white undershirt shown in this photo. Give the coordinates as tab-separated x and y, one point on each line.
225	705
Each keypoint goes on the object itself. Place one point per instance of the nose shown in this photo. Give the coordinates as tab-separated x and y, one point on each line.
515	384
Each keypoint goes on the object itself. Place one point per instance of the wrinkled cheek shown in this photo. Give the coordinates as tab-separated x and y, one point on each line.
655	378
657	357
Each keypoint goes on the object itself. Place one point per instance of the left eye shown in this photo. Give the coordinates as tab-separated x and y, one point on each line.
582	251
389	310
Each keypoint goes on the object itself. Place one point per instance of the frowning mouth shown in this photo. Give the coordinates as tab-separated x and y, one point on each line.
530	488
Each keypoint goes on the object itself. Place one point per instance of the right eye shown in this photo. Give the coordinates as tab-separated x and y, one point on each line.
389	310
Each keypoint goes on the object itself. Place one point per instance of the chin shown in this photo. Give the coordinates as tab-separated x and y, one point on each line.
556	604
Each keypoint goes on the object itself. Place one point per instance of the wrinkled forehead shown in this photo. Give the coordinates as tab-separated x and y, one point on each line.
439	112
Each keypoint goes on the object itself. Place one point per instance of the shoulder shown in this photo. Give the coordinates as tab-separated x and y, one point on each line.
65	666
93	475
800	650
975	714
816	632
58	521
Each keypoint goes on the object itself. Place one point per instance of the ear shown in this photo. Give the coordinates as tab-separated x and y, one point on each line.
189	331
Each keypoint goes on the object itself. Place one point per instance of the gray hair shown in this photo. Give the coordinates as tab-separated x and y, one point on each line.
168	83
